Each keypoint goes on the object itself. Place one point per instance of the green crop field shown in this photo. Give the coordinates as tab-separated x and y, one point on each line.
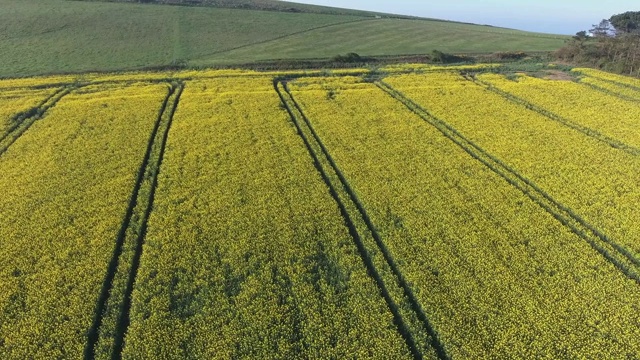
268	5
56	36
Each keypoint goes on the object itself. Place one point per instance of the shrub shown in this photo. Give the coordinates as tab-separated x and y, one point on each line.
348	58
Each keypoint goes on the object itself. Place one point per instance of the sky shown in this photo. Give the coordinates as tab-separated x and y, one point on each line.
549	16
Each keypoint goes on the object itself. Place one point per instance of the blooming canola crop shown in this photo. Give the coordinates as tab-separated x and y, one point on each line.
404	212
578	103
497	275
246	253
65	186
14	103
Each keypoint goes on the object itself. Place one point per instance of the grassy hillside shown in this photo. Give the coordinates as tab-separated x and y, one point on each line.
268	5
53	36
388	37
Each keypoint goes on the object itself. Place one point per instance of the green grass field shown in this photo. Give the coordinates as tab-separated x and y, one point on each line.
56	36
269	5
388	37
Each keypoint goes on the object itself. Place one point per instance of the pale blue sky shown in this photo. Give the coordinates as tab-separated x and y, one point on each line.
551	16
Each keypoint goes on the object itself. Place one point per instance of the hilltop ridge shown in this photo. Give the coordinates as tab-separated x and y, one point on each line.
266	5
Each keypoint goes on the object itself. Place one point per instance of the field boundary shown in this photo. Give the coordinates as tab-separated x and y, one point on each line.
616	254
614	143
111	318
22	121
354	202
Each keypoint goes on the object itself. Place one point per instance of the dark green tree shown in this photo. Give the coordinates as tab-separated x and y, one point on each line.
613	46
626	23
581	36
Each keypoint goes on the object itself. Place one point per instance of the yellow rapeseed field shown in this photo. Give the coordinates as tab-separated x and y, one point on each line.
409	211
492	269
65	186
613	78
578	103
14	103
247	245
617	89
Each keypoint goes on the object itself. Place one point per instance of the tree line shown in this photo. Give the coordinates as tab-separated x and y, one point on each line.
612	45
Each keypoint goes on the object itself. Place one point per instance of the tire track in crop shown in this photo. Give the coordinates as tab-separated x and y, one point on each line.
614	143
610	92
329	170
616	254
111	317
22	121
614	82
